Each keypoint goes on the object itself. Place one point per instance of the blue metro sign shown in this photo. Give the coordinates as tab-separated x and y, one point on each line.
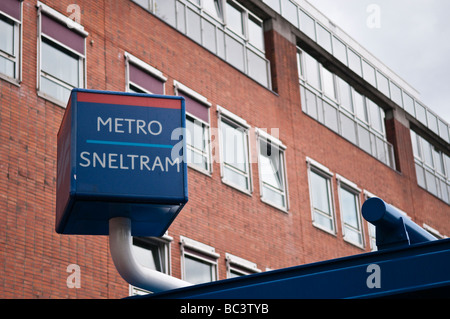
120	155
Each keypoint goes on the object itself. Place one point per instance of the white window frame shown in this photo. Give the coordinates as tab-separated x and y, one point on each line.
264	137
319	169
179	87
371	228
238	122
129	58
345	184
239	265
18	49
164	244
52	13
246	15
200	251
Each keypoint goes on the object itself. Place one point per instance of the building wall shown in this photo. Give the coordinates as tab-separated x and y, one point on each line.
34	258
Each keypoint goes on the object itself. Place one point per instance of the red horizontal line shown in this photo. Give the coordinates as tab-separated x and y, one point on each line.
128	100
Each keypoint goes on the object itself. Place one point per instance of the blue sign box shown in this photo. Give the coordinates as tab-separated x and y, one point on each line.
120	155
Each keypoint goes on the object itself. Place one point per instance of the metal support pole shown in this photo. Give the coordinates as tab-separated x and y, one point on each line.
120	241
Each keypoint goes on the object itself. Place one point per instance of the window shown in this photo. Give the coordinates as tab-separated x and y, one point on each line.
142	77
334	103
238	267
214	8
199	261
432	167
272	172
234	142
10	40
152	253
61	61
349	207
197	128
225	28
321	196
235	18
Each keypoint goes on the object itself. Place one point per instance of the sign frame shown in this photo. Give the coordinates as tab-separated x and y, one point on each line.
87	195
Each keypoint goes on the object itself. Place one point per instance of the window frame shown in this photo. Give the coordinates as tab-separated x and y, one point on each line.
238	123
131	59
16	58
181	88
196	250
75	27
441	179
322	171
163	244
239	265
263	137
350	187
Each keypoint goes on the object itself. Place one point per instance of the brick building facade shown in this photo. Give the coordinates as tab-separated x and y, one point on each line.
313	134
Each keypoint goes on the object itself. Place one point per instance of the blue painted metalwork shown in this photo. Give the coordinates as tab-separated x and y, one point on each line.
393	229
120	155
411	263
419	270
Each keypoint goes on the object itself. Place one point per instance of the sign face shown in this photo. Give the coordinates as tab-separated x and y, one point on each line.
120	154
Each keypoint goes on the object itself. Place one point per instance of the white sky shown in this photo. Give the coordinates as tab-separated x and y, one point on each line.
411	37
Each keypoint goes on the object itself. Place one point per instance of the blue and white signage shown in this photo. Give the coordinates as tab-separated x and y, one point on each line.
120	154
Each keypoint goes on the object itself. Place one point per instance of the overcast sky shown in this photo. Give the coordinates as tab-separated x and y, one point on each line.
411	37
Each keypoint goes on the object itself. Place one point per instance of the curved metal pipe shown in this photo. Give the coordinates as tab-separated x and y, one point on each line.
120	242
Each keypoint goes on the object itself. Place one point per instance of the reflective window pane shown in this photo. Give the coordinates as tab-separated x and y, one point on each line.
147	254
193	26
312	71
359	106
415	145
320	193
364	139
7	67
420	176
197	271
369	73
376	120
348	128
321	201
339	50
396	94
7	36
165	9
330	116
345	95
328	83
54	89
213	7
255	33
307	25
408	104
324	38
234	52
383	84
60	64
234	147
270	166
421	113
354	62
235	19
289	11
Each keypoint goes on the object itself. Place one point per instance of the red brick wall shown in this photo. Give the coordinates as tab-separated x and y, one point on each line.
34	258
